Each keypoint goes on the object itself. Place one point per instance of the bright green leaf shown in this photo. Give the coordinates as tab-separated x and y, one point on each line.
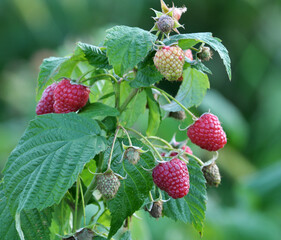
147	74
49	157
98	109
71	68
192	90
187	43
48	69
134	188
135	107
95	55
192	207
127	46
154	118
34	224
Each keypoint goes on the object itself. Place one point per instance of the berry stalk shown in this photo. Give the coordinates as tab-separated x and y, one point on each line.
128	99
175	100
148	142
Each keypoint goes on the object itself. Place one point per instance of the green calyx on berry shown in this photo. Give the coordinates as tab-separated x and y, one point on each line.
108	184
205	54
212	174
169	61
167	20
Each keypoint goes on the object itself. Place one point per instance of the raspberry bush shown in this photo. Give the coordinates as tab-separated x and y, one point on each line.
81	149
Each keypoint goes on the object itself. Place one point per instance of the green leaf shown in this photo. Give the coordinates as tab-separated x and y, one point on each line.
201	67
135	107
134	188
48	69
192	207
127	46
87	173
95	55
61	218
35	224
154	118
126	236
49	157
147	74
71	68
191	92
207	37
187	43
99	238
98	109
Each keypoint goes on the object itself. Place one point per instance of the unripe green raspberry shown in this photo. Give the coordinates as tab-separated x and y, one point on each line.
108	185
205	54
132	155
169	61
165	24
212	174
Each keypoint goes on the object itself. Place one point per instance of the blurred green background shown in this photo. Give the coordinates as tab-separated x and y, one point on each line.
247	205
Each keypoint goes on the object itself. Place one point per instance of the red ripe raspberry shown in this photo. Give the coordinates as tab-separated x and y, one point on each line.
188	54
172	177
70	97
45	105
207	133
185	148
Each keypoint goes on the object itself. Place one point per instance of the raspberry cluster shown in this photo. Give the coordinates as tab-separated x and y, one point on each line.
172	177
63	97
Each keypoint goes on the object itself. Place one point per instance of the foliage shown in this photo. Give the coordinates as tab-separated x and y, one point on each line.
51	167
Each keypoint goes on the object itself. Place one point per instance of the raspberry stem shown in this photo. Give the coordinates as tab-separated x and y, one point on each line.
195	49
148	142
128	136
201	163
112	148
128	99
175	100
85	74
100	76
83	202
76	224
161	140
117	94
